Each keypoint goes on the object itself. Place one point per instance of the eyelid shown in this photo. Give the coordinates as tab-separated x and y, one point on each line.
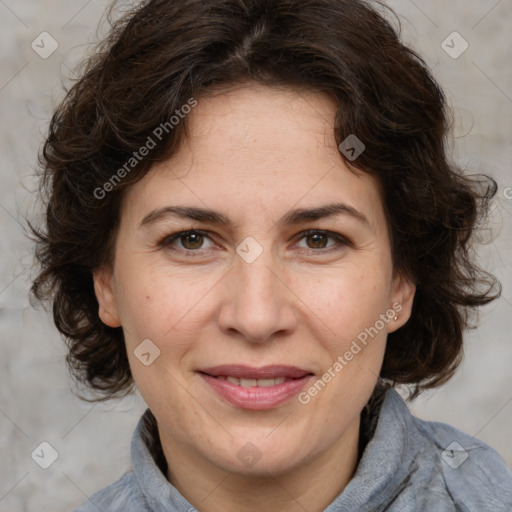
342	240
172	237
330	234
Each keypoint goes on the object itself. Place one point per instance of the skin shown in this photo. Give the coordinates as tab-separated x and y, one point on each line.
254	153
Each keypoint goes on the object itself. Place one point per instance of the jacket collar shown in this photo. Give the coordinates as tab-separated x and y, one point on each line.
383	470
387	463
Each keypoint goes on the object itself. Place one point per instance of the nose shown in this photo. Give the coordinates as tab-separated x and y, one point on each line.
257	302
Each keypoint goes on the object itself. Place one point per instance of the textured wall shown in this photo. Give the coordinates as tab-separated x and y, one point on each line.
36	403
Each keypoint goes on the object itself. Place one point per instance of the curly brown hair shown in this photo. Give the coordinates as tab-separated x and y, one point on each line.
161	54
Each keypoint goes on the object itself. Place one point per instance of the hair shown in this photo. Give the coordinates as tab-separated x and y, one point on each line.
160	55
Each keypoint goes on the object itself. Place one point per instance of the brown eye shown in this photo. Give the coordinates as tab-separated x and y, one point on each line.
317	240
192	240
187	241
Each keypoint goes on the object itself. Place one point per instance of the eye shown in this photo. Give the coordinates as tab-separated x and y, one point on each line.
191	241
318	239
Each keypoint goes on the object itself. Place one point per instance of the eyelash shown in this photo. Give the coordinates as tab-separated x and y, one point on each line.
168	240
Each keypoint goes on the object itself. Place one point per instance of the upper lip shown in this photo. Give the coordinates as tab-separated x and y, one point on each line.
248	372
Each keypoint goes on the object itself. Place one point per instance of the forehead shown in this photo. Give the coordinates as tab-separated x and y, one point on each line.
263	128
256	149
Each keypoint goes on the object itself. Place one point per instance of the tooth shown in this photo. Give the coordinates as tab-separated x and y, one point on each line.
265	383
248	383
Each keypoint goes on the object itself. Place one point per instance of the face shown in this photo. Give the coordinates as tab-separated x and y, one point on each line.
267	325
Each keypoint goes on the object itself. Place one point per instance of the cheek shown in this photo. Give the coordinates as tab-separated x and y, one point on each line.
349	300
350	305
153	303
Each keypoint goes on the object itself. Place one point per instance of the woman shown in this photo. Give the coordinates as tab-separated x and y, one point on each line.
252	218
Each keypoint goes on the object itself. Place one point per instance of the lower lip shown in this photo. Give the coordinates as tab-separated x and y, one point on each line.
256	398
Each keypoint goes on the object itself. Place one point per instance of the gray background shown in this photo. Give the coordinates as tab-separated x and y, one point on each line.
36	403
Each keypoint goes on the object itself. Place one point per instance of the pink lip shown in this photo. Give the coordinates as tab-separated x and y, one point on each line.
256	398
248	372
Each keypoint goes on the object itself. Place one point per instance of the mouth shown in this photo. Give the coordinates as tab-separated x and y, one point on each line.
256	388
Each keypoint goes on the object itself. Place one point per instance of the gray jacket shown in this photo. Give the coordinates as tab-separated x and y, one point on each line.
409	465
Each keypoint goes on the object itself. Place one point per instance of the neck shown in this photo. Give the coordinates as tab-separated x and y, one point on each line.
311	486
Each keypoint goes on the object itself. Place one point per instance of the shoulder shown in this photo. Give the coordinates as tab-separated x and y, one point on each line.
474	475
120	496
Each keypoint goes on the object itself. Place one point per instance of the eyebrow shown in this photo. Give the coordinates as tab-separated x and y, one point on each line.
292	217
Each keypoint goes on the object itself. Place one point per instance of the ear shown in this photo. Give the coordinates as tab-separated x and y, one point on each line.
402	298
105	294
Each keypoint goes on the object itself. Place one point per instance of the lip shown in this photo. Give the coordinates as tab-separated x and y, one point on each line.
250	372
254	397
